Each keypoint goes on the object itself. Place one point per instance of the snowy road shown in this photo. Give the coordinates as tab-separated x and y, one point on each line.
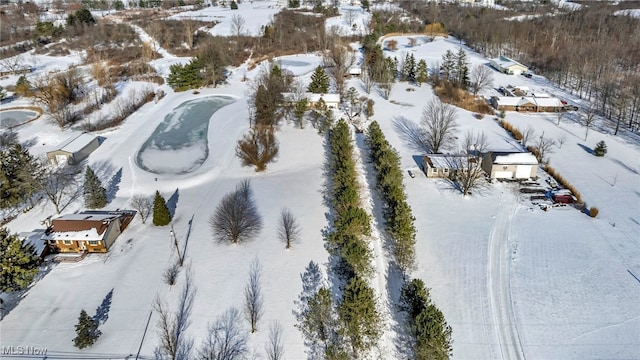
499	263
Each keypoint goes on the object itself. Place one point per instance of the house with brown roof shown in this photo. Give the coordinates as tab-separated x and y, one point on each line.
88	231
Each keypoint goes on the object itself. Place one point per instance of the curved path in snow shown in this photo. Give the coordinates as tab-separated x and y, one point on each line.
498	279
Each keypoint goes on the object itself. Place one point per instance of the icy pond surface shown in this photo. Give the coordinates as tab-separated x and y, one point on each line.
15	117
179	144
287	62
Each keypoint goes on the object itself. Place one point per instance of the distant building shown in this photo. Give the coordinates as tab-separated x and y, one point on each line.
331	100
89	231
510	165
535	103
508	66
74	149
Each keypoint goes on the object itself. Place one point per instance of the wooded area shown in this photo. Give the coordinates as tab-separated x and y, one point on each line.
588	51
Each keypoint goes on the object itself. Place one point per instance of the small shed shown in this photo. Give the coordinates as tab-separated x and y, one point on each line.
510	165
442	165
508	66
74	149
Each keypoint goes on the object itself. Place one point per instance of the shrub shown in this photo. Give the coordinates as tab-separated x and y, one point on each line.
593	211
258	148
171	273
601	149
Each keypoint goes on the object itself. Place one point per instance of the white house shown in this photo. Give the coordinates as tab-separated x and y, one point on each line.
331	100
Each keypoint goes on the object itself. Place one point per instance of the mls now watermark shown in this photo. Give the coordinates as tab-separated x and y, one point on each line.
23	350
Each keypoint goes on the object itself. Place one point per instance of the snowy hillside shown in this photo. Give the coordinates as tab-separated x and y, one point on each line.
514	281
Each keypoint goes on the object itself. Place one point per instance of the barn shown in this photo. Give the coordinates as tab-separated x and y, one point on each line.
74	149
510	165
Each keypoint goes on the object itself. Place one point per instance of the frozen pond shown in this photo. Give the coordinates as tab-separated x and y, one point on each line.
179	144
287	62
10	118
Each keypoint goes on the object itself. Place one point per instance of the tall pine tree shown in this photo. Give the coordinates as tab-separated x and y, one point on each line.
360	321
422	72
86	331
461	69
319	81
95	195
18	262
161	213
20	176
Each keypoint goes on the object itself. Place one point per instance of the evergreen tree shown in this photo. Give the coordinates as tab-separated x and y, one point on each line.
448	65
187	76
18	262
433	335
3	93
86	330
23	87
161	213
95	195
408	72
118	5
461	69
601	149
317	322
233	5
319	81
21	176
360	321
300	108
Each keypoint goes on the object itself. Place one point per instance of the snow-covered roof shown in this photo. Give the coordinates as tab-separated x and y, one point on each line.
89	235
33	238
355	70
76	143
521	158
444	161
505	62
89	216
525	100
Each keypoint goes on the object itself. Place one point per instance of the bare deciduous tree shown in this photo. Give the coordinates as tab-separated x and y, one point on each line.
338	59
561	139
467	165
481	78
542	148
527	135
236	218
60	186
253	300
589	117
237	25
559	116
439	125
226	339
288	229
274	346
142	205
367	80
174	342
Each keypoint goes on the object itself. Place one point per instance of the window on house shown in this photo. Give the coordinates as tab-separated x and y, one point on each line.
94	243
446	171
67	242
434	170
52	242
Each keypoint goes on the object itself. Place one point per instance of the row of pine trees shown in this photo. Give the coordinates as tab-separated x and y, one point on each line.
430	333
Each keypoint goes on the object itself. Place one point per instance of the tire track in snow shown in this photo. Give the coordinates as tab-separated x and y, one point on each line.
379	279
498	279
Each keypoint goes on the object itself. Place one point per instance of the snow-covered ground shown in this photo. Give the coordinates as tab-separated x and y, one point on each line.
512	280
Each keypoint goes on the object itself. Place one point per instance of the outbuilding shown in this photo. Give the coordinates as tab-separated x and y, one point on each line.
510	165
508	66
74	149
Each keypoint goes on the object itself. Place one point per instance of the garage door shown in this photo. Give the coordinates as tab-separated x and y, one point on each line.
523	171
503	174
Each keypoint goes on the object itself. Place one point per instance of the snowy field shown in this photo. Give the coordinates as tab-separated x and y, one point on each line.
513	281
